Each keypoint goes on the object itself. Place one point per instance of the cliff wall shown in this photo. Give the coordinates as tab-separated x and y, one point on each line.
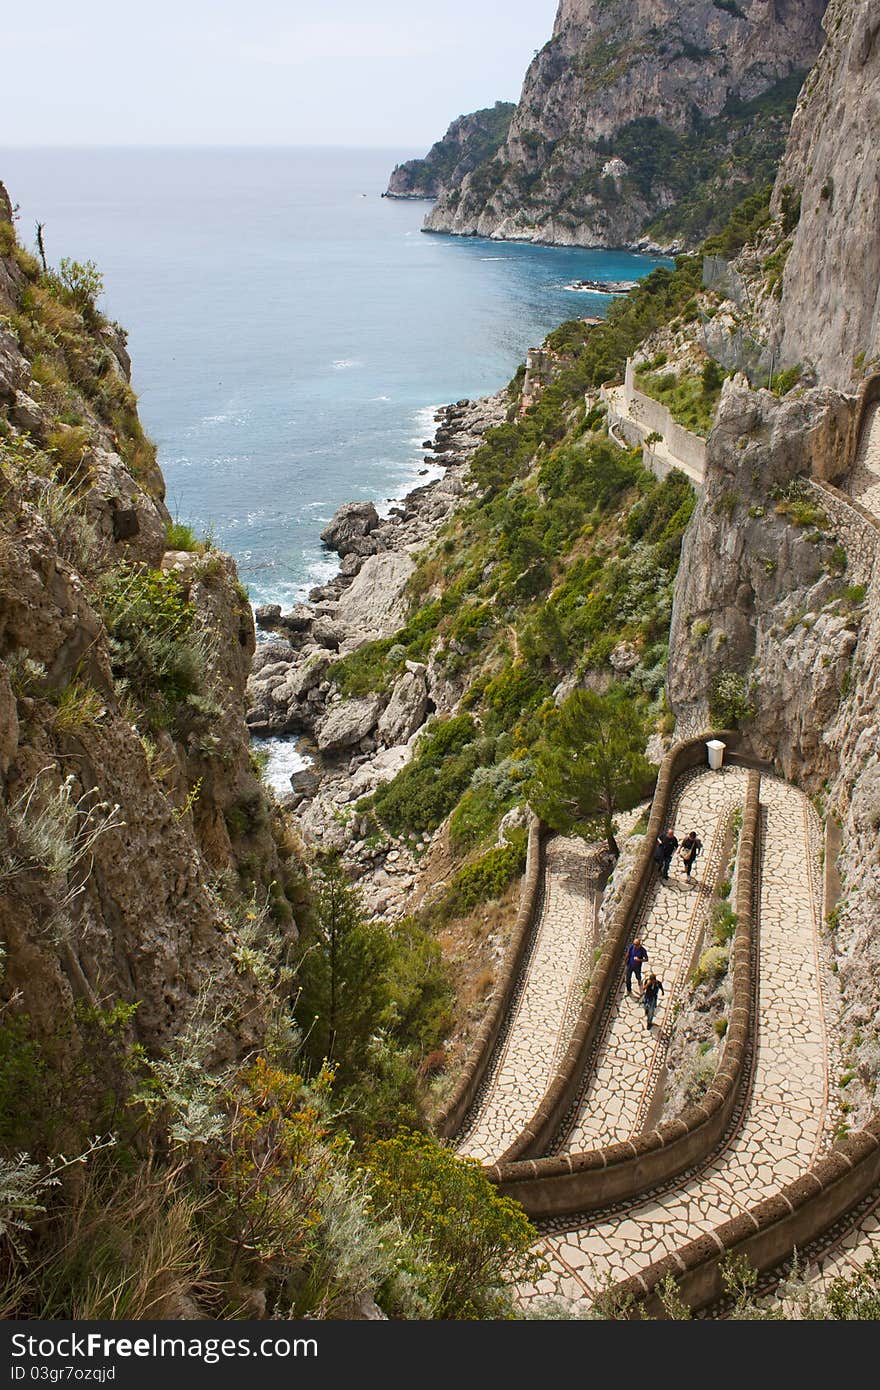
790	616
832	277
468	142
134	831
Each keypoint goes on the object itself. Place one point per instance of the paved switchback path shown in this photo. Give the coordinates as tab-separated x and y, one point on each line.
864	484
783	1126
629	1059
546	1008
544	1014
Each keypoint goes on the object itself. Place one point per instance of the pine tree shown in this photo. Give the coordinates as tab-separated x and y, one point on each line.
342	974
591	764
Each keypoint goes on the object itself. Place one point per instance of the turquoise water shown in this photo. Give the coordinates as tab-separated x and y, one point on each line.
291	331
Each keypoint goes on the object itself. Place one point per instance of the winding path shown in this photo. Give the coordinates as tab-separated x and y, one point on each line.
783	1127
543	1016
864	483
546	1005
629	1059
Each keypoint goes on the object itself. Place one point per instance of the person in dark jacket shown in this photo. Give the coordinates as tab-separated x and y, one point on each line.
634	957
663	851
650	993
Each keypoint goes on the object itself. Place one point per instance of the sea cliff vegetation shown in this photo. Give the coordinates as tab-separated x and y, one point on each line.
211	1096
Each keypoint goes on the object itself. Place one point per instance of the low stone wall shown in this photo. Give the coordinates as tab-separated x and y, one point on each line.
767	1234
857	529
579	1182
449	1120
688	447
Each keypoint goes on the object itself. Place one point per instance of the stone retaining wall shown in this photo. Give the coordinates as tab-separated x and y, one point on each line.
768	1233
579	1182
688	447
857	529
457	1105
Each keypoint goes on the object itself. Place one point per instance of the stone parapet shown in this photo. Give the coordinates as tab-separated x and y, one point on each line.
579	1182
450	1118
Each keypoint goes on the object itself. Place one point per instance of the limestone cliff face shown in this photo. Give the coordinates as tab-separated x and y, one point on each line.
756	593
831	290
131	832
468	142
610	67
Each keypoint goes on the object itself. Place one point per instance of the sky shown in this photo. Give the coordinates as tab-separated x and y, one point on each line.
264	72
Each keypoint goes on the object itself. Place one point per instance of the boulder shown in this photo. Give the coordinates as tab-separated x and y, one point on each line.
624	658
267	614
328	632
374	605
350	527
297	618
406	710
348	722
514	819
26	414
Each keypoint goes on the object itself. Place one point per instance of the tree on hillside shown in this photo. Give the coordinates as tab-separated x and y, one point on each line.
342	974
591	764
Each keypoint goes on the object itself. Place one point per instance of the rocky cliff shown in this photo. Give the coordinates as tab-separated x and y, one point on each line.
777	603
134	832
634	106
832	277
468	142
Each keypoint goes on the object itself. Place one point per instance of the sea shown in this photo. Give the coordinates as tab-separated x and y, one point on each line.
292	332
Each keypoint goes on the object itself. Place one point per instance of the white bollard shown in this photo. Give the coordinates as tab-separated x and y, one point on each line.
716	753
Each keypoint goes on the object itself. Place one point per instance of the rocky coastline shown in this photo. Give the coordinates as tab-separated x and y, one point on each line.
357	743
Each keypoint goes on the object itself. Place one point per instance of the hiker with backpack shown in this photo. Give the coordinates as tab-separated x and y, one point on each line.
691	846
650	993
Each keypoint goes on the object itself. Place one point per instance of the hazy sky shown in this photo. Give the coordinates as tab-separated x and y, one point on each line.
176	72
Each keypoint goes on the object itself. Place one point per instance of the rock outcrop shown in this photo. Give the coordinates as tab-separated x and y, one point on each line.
291	688
628	109
468	142
831	288
128	794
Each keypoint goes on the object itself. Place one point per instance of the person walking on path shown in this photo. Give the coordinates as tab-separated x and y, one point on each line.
663	851
690	848
634	957
652	989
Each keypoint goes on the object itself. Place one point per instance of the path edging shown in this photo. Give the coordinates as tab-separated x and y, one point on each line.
450	1117
768	1233
572	1183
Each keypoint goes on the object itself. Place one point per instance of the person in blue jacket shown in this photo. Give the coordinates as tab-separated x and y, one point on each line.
634	957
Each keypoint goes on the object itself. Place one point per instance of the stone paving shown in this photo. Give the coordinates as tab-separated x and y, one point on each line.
864	484
851	1252
546	1010
629	1059
783	1126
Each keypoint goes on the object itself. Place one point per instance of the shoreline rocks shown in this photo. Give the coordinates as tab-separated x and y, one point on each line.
358	743
289	689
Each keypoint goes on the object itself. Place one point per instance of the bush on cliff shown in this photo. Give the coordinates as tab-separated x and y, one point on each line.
480	1242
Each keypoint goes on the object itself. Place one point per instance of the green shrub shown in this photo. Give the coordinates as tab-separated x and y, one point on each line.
712	966
729	700
486	878
480	1242
723	923
427	789
154	654
179	536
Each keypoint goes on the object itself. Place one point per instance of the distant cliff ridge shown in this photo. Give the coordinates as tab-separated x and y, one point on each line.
640	119
467	143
